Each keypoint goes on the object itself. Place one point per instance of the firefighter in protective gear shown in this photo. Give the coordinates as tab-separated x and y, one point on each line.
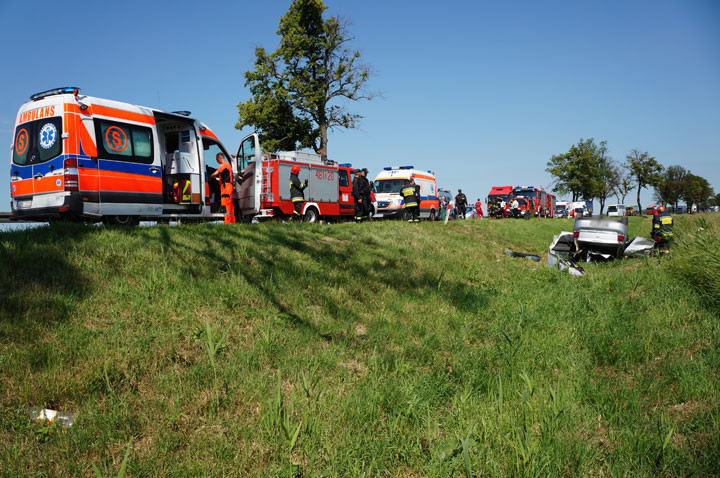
225	175
460	204
360	195
367	191
297	193
412	202
662	230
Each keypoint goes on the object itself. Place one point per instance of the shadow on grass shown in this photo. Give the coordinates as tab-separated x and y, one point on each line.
39	282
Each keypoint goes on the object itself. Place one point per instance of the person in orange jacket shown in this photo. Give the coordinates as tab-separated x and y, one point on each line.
225	175
478	209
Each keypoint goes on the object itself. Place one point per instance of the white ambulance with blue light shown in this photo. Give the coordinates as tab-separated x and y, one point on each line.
389	182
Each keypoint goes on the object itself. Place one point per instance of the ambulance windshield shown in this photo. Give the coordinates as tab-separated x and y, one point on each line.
37	141
388	186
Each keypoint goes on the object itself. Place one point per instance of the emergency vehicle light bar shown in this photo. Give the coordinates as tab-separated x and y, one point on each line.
55	91
181	113
398	167
345	165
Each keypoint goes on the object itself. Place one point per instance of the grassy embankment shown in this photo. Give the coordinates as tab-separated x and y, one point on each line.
376	349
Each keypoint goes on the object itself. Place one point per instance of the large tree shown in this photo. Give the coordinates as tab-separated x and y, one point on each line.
299	90
670	187
576	172
608	175
644	169
623	186
697	190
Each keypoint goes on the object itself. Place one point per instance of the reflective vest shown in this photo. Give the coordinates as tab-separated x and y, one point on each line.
184	194
408	194
296	189
662	225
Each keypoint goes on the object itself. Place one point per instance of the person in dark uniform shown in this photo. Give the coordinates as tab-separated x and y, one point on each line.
297	194
361	195
460	204
412	204
367	201
662	230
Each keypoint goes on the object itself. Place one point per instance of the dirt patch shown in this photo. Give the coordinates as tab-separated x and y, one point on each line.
360	330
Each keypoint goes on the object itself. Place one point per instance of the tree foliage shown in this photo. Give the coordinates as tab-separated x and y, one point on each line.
576	172
298	90
644	169
697	190
608	176
670	187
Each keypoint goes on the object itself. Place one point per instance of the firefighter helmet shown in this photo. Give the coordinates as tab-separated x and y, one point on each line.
295	169
661	209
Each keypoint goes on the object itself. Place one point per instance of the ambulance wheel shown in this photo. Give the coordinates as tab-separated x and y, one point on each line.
312	215
432	215
125	221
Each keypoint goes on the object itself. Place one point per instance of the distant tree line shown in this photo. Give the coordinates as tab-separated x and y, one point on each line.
586	171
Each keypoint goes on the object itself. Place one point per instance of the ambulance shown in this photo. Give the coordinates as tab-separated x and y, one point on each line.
80	157
389	182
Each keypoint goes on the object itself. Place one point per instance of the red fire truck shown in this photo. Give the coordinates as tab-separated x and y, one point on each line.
537	198
264	190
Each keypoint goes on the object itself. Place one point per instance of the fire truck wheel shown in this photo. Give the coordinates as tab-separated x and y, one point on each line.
125	221
312	215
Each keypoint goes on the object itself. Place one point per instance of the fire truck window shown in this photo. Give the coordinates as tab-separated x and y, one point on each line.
344	181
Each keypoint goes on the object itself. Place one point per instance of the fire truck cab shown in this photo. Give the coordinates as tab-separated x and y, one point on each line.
76	156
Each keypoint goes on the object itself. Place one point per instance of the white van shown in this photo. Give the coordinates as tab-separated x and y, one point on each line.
616	210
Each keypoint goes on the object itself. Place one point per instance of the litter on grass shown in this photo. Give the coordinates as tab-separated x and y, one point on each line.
532	257
52	416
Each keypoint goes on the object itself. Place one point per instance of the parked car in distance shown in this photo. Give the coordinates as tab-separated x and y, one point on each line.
598	234
616	210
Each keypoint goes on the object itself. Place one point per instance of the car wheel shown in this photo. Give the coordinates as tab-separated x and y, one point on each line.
123	220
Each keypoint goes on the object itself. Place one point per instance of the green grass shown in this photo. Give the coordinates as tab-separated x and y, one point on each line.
381	349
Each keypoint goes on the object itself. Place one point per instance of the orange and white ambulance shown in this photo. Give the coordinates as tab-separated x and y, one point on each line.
389	182
76	156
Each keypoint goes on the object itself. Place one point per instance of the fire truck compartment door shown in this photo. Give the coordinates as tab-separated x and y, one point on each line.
322	183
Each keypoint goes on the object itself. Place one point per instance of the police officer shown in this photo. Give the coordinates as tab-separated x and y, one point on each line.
225	175
297	194
460	204
662	230
412	206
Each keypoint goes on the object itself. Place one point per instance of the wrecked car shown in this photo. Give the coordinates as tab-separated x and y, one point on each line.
601	235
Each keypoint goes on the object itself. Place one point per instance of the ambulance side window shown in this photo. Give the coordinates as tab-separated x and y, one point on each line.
124	142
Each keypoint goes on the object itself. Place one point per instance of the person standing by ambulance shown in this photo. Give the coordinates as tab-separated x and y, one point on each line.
367	191
225	175
412	206
297	194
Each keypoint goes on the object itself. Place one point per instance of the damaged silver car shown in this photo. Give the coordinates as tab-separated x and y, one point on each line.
601	235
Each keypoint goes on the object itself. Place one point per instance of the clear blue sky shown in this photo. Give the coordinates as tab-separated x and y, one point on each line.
483	93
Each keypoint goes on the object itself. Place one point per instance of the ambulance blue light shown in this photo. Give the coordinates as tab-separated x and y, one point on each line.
55	91
388	168
181	113
407	167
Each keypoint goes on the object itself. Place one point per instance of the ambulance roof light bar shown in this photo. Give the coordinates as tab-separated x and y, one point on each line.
398	167
55	91
181	113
